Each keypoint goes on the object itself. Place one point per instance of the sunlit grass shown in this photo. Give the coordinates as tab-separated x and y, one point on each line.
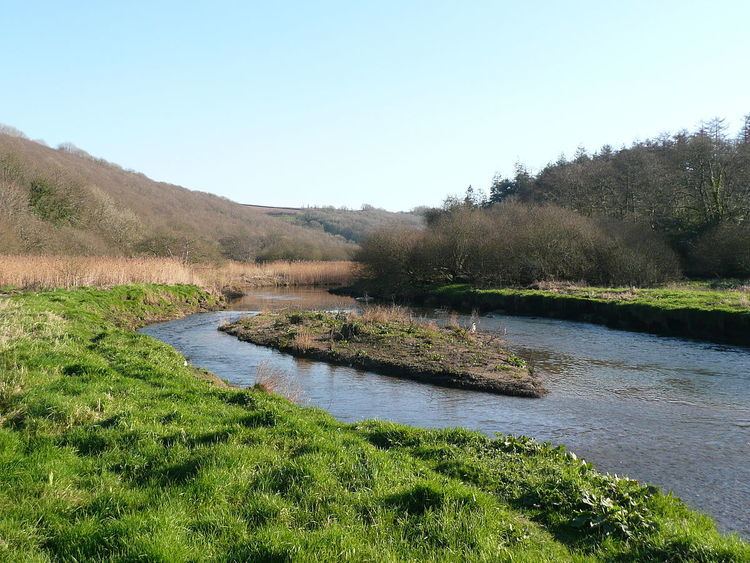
112	448
691	310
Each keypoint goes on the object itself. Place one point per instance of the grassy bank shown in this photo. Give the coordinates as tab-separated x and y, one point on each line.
690	311
111	448
391	341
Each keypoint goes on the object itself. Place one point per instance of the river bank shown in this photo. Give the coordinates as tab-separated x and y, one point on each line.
721	316
391	342
113	448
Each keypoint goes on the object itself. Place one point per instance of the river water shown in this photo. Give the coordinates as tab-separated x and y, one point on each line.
668	411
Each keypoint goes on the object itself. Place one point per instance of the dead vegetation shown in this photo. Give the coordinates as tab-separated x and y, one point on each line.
273	381
49	272
64	201
234	276
384	314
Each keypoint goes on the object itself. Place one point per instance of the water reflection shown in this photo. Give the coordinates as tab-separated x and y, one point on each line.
664	410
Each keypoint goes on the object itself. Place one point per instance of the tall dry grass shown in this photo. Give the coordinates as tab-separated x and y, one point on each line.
238	275
273	380
384	314
48	272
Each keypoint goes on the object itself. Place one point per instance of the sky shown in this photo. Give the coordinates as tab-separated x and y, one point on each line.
391	103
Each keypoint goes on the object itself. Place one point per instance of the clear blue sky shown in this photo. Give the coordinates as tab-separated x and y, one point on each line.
396	104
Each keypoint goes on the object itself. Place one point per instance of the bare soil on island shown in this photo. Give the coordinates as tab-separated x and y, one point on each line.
392	342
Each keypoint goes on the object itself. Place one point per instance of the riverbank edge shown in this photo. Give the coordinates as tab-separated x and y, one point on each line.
518	382
719	326
68	495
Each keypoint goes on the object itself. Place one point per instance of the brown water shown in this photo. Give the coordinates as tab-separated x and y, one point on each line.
664	410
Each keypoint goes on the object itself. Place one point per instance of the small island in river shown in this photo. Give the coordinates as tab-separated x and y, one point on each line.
393	342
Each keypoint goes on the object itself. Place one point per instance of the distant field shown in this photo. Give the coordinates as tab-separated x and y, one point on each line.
271	208
65	201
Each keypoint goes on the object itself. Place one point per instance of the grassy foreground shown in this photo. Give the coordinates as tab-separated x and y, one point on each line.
391	341
691	311
111	448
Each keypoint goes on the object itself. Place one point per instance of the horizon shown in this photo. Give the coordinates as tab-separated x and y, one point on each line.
428	99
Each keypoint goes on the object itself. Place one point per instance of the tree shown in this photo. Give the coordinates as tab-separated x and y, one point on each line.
501	189
745	132
472	198
12	131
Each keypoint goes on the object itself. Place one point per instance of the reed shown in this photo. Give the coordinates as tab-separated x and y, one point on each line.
49	272
383	314
273	381
239	275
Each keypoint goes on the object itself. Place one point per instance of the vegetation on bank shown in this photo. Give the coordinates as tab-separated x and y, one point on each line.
642	216
64	201
234	278
512	244
228	277
692	187
691	311
112	448
393	342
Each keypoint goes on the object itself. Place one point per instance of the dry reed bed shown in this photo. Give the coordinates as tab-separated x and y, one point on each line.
48	272
281	274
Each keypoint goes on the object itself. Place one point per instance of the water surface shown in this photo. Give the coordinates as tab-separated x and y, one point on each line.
672	412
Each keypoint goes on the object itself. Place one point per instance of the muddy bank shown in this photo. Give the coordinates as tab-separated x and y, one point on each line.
400	347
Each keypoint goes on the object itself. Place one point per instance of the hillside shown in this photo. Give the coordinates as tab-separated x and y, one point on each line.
64	201
353	225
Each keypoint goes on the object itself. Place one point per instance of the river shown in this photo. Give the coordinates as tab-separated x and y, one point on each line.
668	411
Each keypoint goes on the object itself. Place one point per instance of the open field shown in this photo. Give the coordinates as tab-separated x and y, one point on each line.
49	272
690	310
391	341
112	448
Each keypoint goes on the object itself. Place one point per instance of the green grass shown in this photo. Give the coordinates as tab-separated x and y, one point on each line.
692	296
112	449
691	310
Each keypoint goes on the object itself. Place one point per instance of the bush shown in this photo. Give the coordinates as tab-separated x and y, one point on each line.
391	255
724	251
517	244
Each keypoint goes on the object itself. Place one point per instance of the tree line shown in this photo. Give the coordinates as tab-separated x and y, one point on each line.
642	215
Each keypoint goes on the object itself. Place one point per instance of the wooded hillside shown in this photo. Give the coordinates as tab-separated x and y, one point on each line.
65	201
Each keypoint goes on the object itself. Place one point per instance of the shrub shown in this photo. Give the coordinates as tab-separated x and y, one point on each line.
517	244
724	251
389	256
